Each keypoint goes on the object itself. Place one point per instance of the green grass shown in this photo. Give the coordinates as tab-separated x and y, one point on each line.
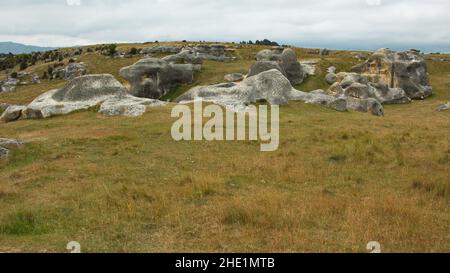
338	180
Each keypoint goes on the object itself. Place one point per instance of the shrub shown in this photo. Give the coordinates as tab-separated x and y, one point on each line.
133	51
112	49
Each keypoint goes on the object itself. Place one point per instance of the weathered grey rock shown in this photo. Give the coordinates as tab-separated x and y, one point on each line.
331	70
309	67
3	107
268	55
162	49
365	105
9	85
271	86
12	113
444	107
186	56
262	66
405	70
286	59
215	52
234	77
35	79
81	93
9	142
128	106
358	86
3	152
70	72
292	67
153	78
318	97
331	78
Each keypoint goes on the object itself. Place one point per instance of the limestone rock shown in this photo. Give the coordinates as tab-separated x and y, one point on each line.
405	70
285	58
271	86
153	78
162	49
12	113
234	77
9	85
70	72
358	86
261	66
3	152
331	78
444	107
128	106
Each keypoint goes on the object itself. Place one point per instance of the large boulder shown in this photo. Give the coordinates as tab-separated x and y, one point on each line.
162	49
12	113
331	78
292	67
405	70
271	86
153	78
261	66
81	93
9	85
444	107
287	61
359	86
365	105
186	56
70	72
128	106
215	52
319	97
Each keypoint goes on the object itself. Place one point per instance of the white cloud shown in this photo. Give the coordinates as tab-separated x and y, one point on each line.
326	23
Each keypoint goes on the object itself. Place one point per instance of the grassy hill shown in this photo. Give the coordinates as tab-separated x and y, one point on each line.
338	180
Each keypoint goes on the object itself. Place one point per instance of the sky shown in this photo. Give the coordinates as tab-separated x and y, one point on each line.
334	24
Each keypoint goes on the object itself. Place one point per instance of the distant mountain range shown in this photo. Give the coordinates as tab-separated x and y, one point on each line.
16	48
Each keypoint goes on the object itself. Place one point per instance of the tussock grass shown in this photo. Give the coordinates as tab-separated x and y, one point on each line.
338	180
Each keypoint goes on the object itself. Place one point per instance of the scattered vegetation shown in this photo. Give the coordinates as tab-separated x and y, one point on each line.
338	180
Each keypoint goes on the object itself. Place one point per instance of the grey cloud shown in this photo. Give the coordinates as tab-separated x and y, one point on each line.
329	23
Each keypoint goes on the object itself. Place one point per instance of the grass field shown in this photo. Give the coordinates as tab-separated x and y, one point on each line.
338	180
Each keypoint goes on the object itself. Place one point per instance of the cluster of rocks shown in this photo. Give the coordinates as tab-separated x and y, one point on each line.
9	85
281	59
387	76
69	72
5	142
444	107
153	78
272	86
405	70
82	93
358	86
22	78
193	54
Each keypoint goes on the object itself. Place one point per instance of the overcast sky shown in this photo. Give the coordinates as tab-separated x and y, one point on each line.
349	24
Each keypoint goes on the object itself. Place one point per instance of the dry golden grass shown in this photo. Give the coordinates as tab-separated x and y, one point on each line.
338	180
